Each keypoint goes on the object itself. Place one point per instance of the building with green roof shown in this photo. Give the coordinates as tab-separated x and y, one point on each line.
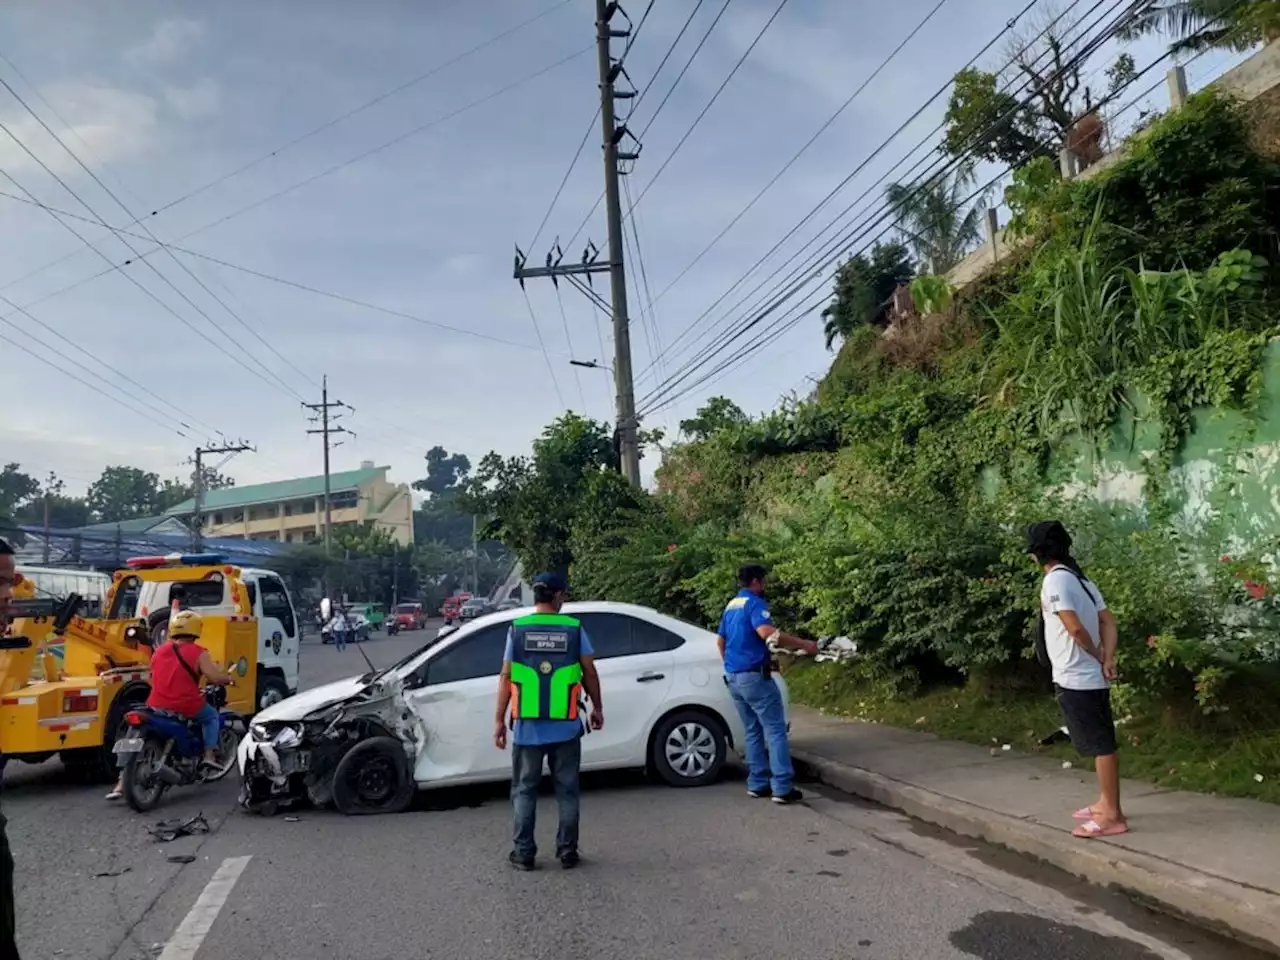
292	511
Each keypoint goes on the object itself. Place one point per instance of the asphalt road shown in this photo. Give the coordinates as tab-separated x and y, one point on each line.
701	873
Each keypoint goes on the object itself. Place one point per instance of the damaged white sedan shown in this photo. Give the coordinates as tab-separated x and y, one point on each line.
364	744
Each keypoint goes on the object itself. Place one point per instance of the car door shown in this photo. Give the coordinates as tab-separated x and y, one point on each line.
454	694
277	630
635	678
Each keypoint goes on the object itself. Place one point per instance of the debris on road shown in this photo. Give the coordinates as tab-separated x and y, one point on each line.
114	873
168	830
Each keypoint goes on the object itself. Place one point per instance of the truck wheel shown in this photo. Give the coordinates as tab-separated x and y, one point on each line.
271	690
373	777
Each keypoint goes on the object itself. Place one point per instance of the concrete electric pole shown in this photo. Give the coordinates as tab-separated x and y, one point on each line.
198	484
327	430
610	70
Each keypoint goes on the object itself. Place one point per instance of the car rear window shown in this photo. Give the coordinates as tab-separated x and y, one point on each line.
408	608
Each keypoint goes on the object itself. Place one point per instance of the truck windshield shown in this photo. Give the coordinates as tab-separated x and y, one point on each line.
200	593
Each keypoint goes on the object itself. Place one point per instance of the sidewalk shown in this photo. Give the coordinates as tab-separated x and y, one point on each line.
1213	859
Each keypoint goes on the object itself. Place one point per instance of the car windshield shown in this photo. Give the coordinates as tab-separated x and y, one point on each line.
407	608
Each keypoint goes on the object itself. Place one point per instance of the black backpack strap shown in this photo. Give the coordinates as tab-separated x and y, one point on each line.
177	652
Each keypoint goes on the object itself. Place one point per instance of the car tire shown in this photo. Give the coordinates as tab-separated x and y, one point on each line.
688	749
373	777
271	690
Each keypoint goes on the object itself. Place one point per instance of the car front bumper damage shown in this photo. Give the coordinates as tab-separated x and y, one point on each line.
286	762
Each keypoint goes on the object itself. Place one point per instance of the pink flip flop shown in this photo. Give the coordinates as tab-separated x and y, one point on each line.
1084	813
1091	830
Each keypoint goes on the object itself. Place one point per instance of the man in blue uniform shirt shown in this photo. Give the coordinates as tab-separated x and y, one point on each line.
548	663
746	627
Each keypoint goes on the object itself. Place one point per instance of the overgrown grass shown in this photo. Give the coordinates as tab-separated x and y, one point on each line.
1157	749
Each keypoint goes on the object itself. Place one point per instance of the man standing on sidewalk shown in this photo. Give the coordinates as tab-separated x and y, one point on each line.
746	627
1080	639
8	920
548	663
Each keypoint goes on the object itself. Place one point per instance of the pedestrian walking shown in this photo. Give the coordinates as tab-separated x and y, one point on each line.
1079	641
8	917
548	663
746	627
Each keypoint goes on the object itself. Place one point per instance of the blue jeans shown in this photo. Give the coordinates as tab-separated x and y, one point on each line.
209	726
340	639
564	760
760	705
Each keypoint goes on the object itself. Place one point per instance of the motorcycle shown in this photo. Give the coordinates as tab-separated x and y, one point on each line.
393	626
161	749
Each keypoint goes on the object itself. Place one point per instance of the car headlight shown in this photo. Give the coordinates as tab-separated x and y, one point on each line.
259	732
287	737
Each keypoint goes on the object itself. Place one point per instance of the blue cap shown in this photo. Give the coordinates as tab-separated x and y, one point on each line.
552	580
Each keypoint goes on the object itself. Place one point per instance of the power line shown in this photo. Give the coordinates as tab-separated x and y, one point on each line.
810	142
1080	56
564	319
822	294
863	165
121	204
648	321
533	317
688	63
710	103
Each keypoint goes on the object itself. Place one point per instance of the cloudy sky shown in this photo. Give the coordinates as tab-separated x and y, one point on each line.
411	205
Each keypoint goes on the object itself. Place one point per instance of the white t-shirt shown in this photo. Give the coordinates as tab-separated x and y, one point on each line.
1073	669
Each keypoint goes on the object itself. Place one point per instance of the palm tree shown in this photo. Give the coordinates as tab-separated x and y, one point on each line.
931	218
1200	25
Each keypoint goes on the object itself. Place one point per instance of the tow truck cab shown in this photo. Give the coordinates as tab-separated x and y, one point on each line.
278	627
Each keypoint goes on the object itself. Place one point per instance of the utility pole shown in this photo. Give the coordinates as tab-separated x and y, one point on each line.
52	486
613	132
475	560
198	481
327	430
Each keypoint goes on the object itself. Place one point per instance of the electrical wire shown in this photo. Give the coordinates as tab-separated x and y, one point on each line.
688	63
810	142
636	255
533	317
817	208
710	103
801	310
564	320
1079	57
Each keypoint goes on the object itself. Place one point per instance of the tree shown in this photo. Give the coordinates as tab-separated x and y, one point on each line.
864	287
1025	111
530	503
718	413
124	493
1198	25
16	488
932	218
444	471
64	511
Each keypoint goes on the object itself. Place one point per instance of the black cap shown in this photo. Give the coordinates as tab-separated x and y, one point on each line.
1047	534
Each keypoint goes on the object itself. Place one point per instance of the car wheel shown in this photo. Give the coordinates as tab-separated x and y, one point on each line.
689	748
373	777
271	690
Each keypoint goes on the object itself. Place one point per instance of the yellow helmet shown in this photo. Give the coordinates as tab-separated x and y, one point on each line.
186	624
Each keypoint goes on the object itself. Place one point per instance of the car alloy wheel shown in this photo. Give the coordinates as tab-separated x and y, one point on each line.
691	749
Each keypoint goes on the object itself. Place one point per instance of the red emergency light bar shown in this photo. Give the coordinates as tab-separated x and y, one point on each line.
175	560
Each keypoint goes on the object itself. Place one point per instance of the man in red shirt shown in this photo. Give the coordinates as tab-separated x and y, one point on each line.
176	668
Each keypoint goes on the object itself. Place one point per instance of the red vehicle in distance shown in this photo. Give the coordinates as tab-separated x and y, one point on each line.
410	616
452	607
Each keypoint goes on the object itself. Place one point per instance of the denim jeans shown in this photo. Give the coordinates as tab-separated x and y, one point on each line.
760	705
340	639
209	726
526	773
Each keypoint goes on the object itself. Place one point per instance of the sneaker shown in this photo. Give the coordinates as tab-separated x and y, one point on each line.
570	859
519	862
795	796
115	794
760	794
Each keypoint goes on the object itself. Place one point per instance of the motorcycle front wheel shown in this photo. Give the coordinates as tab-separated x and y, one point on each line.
142	788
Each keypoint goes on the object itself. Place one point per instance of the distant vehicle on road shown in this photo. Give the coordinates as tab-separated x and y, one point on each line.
475	607
357	627
508	605
668	712
410	615
374	613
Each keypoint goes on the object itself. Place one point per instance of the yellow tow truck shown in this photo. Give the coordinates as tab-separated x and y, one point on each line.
76	708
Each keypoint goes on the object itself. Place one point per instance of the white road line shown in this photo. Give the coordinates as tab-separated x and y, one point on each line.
186	940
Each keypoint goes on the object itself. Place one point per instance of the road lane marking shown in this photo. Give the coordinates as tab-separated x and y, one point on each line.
186	940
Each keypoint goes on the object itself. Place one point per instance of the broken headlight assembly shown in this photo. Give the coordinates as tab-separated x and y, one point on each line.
282	737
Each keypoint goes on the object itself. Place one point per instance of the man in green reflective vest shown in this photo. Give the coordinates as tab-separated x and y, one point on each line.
548	664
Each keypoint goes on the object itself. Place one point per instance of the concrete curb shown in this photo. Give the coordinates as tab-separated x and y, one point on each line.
1240	911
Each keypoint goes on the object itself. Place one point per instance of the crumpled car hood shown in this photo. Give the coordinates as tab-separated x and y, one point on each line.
304	704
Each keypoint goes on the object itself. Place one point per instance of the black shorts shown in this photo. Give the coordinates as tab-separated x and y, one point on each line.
1089	721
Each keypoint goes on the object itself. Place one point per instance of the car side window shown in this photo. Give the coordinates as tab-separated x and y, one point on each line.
647	637
275	603
610	634
479	655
